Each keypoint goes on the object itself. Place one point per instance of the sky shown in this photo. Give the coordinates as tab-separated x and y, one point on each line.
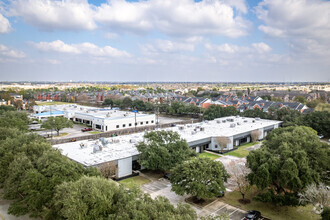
165	40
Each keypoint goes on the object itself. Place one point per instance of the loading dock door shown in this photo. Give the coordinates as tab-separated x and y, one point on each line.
124	167
198	150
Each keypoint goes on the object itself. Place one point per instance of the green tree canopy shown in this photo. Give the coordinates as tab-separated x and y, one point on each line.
14	119
57	123
162	150
288	160
200	177
98	198
216	111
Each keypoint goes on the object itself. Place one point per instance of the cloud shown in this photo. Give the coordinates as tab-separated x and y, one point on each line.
260	47
172	17
55	15
83	48
304	25
4	25
10	53
167	46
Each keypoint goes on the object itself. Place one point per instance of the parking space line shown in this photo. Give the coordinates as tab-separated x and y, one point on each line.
233	212
219	209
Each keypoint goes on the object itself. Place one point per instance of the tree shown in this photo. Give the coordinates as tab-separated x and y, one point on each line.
18	104
162	150
319	121
97	198
255	135
126	103
216	111
290	159
223	142
108	102
200	177
14	119
57	123
239	175
318	195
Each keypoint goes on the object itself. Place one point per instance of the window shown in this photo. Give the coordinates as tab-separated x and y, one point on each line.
117	126
130	124
152	121
141	123
135	124
216	146
147	122
124	125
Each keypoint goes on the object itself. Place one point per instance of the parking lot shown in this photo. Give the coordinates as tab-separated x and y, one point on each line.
162	187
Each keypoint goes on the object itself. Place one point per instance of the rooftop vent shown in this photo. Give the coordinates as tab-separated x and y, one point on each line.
181	127
253	121
83	145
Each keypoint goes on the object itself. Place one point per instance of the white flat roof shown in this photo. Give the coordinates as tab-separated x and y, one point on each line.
103	113
125	148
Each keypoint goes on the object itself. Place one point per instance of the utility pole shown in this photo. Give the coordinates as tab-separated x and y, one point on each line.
135	118
51	131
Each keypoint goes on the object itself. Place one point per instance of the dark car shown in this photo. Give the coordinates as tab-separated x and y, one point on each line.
219	193
252	215
167	176
86	129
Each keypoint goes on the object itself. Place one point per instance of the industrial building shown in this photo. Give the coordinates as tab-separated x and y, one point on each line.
202	136
101	119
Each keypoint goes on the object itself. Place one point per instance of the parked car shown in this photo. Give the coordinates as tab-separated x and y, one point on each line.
219	193
252	215
86	129
167	176
320	136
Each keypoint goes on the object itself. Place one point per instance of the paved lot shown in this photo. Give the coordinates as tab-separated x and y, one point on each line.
72	132
162	187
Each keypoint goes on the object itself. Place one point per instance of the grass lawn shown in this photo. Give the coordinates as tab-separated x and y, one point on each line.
269	210
94	132
134	181
61	135
208	155
53	103
241	152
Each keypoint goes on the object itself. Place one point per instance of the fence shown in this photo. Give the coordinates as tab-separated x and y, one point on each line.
119	132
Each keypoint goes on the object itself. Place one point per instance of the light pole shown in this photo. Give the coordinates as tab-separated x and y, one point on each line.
134	110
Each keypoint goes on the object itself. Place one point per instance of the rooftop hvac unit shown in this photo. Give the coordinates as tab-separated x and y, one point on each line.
202	129
181	128
103	141
83	145
81	108
243	117
111	141
193	132
232	125
245	121
257	119
231	120
189	126
218	121
238	123
116	141
87	111
237	116
132	141
108	115
97	148
223	121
